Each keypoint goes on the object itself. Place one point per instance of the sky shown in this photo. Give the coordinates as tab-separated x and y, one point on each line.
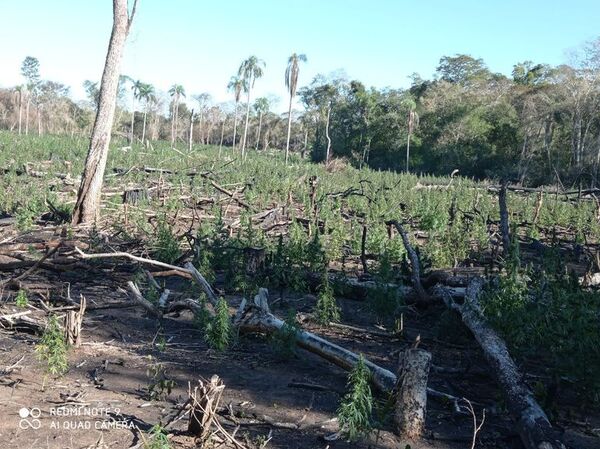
200	44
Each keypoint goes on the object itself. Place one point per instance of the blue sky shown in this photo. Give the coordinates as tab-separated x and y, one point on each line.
200	43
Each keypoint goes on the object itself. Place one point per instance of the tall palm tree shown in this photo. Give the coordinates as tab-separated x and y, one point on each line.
136	86
176	91
250	70
146	93
261	106
291	83
236	84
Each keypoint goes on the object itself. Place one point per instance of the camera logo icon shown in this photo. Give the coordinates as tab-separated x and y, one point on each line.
29	418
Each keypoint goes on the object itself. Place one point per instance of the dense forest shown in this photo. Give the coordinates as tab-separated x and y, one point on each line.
539	126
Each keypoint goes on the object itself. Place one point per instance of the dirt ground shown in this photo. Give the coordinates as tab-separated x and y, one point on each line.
291	402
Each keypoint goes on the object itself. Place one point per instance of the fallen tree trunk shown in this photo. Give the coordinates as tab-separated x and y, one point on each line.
533	425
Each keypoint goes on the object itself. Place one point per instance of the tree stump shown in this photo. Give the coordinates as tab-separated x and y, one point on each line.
205	403
73	322
411	393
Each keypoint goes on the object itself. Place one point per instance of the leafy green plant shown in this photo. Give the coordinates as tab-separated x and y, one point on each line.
52	348
166	244
219	331
284	339
354	413
159	384
21	300
158	438
326	309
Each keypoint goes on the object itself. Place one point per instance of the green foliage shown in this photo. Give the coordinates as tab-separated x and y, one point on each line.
219	331
159	384
354	413
326	309
284	339
158	438
384	300
202	317
166	244
21	300
52	348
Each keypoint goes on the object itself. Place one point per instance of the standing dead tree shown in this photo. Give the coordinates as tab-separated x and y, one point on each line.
88	196
73	322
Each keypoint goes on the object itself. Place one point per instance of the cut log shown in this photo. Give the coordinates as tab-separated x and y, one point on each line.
137	296
533	425
73	322
411	393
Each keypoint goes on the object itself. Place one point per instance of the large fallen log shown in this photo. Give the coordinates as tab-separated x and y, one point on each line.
533	425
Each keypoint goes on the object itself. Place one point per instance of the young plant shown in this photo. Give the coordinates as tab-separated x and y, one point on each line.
52	348
21	300
159	385
166	243
218	330
158	438
284	340
327	309
354	413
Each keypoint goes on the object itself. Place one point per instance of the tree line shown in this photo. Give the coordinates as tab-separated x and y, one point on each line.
540	125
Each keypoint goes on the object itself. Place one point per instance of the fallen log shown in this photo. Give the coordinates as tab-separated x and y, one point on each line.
533	425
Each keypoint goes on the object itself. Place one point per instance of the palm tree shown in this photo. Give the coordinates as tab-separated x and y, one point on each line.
146	93
250	70
136	86
176	91
412	121
261	106
291	83
235	85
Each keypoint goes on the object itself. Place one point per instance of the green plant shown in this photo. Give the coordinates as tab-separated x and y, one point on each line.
284	339
21	300
159	384
52	348
219	331
202	316
158	438
326	309
354	413
166	244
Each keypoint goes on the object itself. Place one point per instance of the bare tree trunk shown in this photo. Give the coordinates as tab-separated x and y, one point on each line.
39	119
132	120
411	395
235	120
327	154
246	125
289	130
191	136
221	141
260	114
144	126
504	225
27	114
20	110
407	151
88	197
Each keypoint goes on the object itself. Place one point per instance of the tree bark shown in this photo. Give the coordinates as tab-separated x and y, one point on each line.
247	118
327	154
289	129
411	394
88	196
533	425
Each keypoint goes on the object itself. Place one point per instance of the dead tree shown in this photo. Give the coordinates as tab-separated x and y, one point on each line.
205	402
423	297
73	322
504	226
411	393
88	196
533	425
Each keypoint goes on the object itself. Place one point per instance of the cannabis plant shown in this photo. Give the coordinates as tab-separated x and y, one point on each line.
218	330
52	348
354	413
